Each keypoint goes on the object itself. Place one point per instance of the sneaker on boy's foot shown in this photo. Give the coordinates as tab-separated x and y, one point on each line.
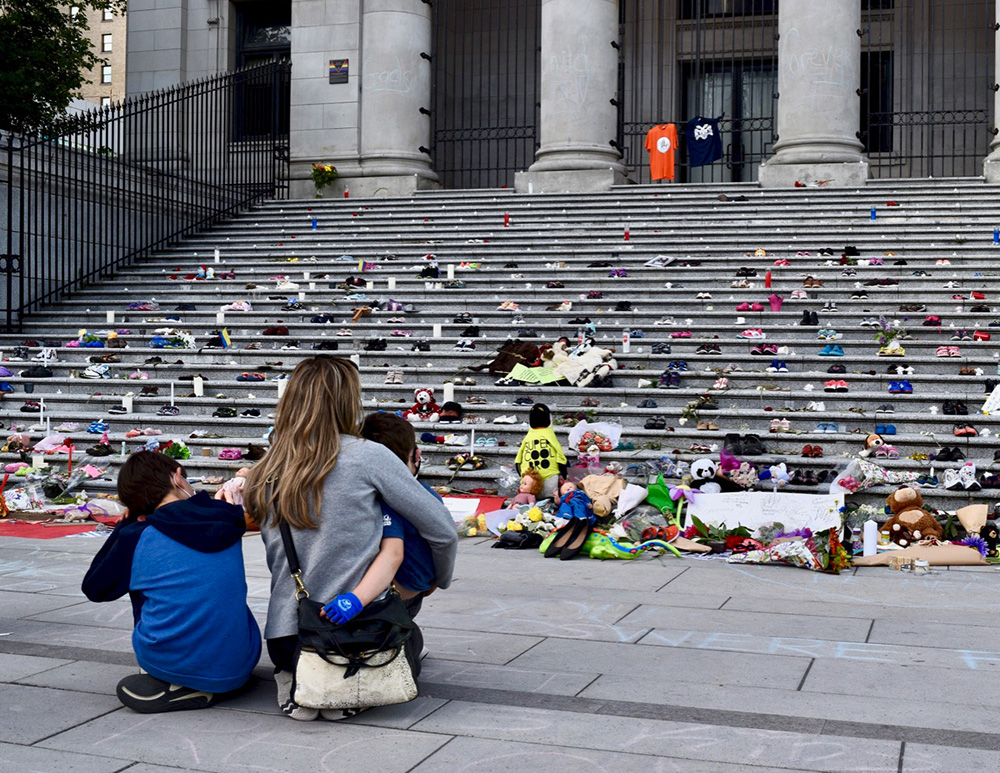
149	695
334	715
289	707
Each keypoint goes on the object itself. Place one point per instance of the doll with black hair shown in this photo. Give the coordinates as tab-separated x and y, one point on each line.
541	451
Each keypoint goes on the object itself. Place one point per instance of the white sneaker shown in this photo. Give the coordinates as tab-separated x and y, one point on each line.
951	479
288	707
46	355
967	476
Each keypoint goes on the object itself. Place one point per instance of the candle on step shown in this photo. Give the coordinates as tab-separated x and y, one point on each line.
305	275
123	448
110	317
449	392
392	283
218	256
472	441
127	403
220	318
870	540
628	234
451	270
171	394
996	235
199	387
767	278
347	193
506	219
312	285
315	224
302	295
282	386
626	341
370	284
437	331
37	461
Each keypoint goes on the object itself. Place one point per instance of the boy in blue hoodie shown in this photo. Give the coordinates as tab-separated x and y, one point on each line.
179	556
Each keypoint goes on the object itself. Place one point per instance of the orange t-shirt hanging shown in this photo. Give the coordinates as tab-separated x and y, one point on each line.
661	141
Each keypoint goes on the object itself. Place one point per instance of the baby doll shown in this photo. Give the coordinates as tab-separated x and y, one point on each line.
540	450
530	488
574	503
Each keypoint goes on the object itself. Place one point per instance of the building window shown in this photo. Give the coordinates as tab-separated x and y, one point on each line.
876	5
105	101
106	43
876	102
108	14
694	9
106	74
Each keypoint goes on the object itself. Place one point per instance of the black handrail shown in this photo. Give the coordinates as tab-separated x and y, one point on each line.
96	191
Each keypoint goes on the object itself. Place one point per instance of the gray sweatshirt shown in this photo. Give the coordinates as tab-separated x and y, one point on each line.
335	556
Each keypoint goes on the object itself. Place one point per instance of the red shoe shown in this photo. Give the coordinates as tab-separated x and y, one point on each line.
978	296
979	335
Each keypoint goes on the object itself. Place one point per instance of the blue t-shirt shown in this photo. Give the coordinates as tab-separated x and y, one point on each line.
195	628
416	573
704	141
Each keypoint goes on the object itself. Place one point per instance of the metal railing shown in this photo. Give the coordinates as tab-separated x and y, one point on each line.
96	191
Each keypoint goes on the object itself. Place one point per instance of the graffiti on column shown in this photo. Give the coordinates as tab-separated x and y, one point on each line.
568	74
394	79
828	71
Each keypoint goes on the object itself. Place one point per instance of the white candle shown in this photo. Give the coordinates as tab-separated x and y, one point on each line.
41	408
437	331
110	317
370	284
218	255
127	403
392	283
302	295
312	285
428	285
220	318
305	275
171	394
451	270
199	388
449	392
472	441
282	386
438	286
37	461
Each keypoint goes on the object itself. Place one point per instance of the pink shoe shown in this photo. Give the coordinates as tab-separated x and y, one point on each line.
782	262
756	307
775	300
743	306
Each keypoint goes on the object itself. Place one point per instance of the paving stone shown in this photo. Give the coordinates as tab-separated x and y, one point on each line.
15	667
714	693
29	759
520	677
60	634
951	636
15	605
706	743
919	758
815	648
906	682
637	663
99	678
110	614
738	623
483	756
476	647
235	741
27	716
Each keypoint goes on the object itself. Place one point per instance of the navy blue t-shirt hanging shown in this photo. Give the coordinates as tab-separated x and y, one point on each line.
704	141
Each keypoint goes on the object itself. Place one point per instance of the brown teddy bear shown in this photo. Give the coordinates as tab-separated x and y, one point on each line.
910	522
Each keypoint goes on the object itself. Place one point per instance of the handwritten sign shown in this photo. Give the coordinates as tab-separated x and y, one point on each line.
758	508
992	404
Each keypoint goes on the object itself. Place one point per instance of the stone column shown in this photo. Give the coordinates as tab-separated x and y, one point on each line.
579	79
395	85
991	167
819	110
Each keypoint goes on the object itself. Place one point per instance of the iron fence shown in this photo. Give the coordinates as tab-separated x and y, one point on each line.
98	190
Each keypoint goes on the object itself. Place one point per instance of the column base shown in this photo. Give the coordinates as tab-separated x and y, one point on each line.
991	170
568	181
365	187
773	175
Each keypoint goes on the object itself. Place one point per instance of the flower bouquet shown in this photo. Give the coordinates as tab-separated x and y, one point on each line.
323	176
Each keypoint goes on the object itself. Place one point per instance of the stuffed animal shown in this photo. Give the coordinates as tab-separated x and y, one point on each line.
530	488
584	364
603	491
910	522
872	444
991	533
425	409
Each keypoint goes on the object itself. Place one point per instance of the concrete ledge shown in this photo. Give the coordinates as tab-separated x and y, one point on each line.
568	181
367	187
835	175
991	170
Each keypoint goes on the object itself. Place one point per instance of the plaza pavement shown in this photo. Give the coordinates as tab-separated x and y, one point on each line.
659	664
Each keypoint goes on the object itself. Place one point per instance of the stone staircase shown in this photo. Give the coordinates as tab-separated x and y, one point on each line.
558	238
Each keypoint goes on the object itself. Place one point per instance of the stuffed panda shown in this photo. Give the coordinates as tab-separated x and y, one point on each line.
705	477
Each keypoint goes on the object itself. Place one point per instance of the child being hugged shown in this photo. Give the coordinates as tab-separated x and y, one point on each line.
179	555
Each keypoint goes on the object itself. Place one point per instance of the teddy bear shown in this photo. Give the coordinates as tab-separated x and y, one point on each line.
872	444
424	409
910	522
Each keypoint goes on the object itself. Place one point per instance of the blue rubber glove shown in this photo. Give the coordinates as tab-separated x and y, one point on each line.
343	608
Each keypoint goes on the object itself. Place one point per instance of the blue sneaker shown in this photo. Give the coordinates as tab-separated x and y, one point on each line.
838	350
826	351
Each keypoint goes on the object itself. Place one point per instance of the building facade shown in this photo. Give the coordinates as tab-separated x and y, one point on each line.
553	95
108	34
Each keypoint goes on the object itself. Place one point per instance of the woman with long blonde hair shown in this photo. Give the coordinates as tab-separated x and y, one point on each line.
326	483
